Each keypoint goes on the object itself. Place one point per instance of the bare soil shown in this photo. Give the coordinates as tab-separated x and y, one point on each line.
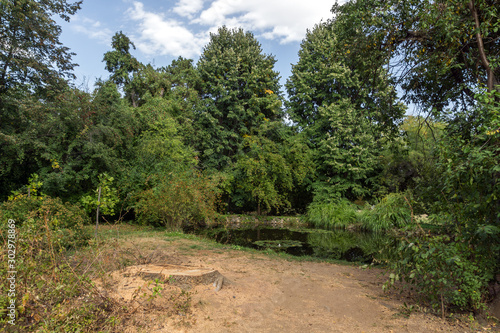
264	293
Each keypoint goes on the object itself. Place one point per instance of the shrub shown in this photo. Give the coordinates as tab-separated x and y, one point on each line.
48	293
183	199
107	200
36	214
446	271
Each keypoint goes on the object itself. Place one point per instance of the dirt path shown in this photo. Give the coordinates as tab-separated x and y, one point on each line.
267	294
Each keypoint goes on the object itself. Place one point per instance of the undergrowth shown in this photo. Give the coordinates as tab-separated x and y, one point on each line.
62	281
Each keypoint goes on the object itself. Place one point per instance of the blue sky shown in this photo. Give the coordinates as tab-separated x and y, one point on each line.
164	30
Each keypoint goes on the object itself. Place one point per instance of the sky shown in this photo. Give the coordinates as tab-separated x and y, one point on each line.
164	30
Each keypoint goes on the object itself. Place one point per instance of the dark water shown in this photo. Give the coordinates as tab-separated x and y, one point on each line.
339	244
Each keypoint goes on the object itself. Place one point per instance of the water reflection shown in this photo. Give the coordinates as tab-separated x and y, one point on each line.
339	244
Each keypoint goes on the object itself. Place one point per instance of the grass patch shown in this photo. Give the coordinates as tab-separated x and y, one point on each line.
332	215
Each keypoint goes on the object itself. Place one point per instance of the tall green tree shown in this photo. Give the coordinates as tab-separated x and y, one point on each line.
240	90
34	65
177	83
121	64
444	56
348	155
158	151
68	140
30	50
345	104
333	65
168	93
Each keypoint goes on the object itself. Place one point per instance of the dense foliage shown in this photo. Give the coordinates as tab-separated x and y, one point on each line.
346	105
240	91
31	52
177	145
444	56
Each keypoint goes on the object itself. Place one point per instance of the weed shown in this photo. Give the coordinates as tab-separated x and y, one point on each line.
406	310
52	295
64	278
181	303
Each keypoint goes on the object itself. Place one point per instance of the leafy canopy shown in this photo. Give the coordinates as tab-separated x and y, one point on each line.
240	91
30	50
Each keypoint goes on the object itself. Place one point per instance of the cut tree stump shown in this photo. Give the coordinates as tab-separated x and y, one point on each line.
181	276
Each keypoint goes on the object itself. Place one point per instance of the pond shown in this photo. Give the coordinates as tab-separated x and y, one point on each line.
345	245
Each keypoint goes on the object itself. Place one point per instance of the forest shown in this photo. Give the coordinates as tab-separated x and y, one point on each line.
391	112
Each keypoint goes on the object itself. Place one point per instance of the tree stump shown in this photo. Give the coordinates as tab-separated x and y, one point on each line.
184	277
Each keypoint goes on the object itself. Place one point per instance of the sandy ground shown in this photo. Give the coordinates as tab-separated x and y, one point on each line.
262	293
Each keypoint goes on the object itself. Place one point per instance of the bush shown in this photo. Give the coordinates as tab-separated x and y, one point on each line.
461	188
63	215
48	293
37	213
183	199
331	215
106	201
447	272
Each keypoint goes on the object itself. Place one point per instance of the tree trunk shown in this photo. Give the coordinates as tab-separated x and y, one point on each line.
491	79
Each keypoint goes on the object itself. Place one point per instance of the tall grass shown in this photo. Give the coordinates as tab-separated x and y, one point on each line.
392	211
331	215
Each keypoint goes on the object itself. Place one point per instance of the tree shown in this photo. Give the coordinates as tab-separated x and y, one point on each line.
442	51
348	155
240	90
317	78
262	175
177	83
272	171
121	64
336	62
158	154
444	56
345	104
30	51
68	140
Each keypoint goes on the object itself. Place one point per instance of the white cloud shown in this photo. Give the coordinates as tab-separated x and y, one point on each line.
188	8
184	30
164	36
284	20
91	28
